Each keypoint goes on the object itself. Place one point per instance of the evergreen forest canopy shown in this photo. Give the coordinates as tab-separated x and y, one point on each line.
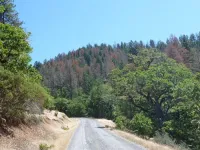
145	88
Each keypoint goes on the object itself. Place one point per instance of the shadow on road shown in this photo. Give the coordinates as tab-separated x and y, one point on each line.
101	127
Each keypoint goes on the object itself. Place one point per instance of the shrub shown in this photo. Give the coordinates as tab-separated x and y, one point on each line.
15	90
45	147
49	103
76	108
165	139
31	119
65	128
121	122
142	125
61	104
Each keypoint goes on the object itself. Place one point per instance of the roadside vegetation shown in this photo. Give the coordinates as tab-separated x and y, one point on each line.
152	90
45	147
20	83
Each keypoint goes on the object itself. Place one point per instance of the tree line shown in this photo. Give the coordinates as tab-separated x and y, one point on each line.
66	73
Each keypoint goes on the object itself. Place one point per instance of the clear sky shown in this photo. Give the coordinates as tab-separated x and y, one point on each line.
62	25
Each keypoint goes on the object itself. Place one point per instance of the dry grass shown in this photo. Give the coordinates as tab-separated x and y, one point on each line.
150	145
145	143
49	132
107	123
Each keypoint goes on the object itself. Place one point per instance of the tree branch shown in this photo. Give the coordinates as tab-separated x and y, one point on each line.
136	105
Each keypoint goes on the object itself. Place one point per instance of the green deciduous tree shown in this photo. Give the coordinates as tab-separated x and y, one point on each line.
150	87
163	90
14	48
185	116
101	101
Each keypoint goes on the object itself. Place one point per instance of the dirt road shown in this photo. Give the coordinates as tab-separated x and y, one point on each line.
90	135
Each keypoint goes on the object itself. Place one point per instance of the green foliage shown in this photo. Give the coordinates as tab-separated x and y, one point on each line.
49	103
2	9
15	90
163	90
87	58
146	57
19	81
45	147
8	15
14	48
185	116
61	104
87	83
76	108
156	92
121	122
151	90
141	124
101	101
122	107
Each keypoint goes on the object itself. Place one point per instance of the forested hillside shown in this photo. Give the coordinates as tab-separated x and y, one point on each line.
151	89
66	73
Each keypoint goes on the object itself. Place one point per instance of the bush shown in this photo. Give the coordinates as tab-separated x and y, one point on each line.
45	147
49	103
142	125
73	108
121	122
15	90
65	128
31	119
164	138
61	104
76	108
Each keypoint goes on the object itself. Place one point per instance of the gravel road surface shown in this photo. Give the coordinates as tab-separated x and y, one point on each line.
90	135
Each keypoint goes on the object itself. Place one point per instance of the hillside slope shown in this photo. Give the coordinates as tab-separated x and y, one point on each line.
66	73
54	131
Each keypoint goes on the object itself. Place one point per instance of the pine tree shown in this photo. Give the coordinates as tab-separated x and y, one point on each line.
8	14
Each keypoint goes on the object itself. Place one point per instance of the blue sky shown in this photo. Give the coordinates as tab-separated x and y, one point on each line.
59	26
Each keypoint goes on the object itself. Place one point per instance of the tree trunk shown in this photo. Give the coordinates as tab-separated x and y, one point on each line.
159	114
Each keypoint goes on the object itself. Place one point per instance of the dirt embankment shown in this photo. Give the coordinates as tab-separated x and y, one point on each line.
150	145
54	130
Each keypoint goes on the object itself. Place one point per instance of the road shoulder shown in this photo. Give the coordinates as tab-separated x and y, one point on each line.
110	125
